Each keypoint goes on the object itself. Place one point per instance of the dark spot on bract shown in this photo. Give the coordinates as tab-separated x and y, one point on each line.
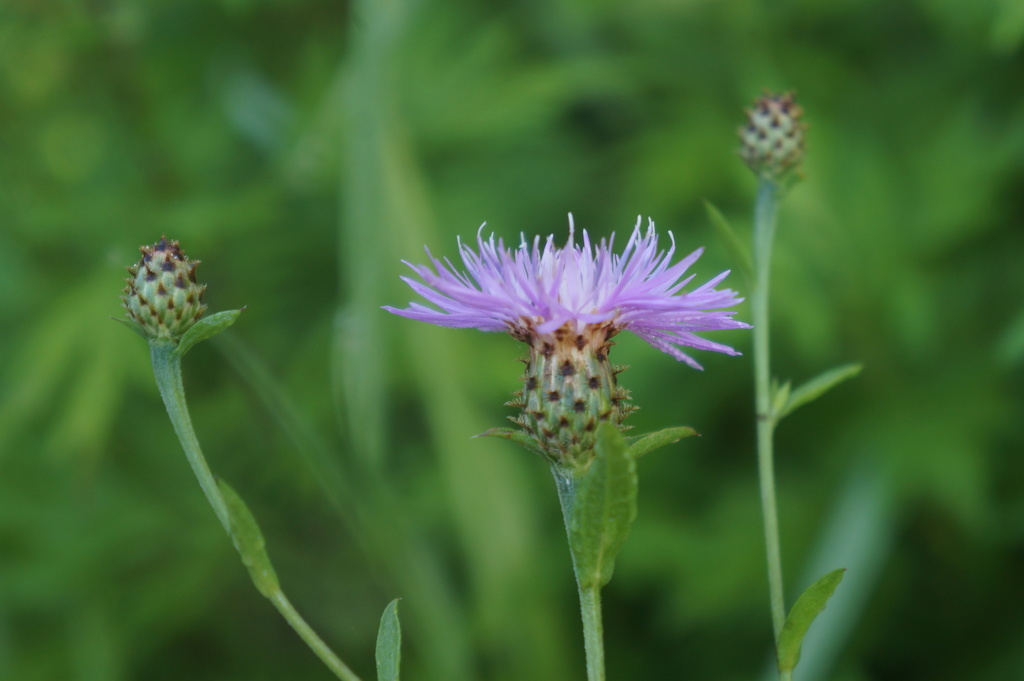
568	369
554	396
594	383
578	406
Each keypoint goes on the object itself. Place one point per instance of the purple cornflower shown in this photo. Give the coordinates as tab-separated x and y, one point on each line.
536	291
567	303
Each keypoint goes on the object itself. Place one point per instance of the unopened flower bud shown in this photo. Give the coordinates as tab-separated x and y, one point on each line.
772	141
162	297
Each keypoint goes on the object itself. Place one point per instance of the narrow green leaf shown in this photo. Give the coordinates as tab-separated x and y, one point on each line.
248	539
644	444
738	249
389	644
133	326
816	387
780	397
603	509
515	435
805	610
206	327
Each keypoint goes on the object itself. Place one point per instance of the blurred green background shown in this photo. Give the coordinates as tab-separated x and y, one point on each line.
303	148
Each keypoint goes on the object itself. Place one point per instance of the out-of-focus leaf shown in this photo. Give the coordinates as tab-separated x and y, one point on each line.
816	387
780	396
1008	26
1010	349
802	615
739	251
389	644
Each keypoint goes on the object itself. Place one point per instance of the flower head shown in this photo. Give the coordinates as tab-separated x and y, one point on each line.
567	303
772	141
537	290
162	297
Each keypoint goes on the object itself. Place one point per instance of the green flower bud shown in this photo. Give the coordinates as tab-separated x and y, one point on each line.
569	387
162	297
772	141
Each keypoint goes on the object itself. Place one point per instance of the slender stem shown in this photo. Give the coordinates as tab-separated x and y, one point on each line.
593	632
167	370
316	644
590	598
764	234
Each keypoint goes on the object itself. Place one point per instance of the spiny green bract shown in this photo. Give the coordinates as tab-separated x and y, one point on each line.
568	389
162	297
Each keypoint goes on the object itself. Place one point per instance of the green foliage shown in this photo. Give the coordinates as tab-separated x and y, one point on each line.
133	325
790	400
737	248
303	149
248	539
517	435
644	444
205	328
602	508
389	644
806	609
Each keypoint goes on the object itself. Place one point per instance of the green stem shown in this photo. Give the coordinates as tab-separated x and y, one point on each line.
167	370
306	633
764	233
593	632
590	597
